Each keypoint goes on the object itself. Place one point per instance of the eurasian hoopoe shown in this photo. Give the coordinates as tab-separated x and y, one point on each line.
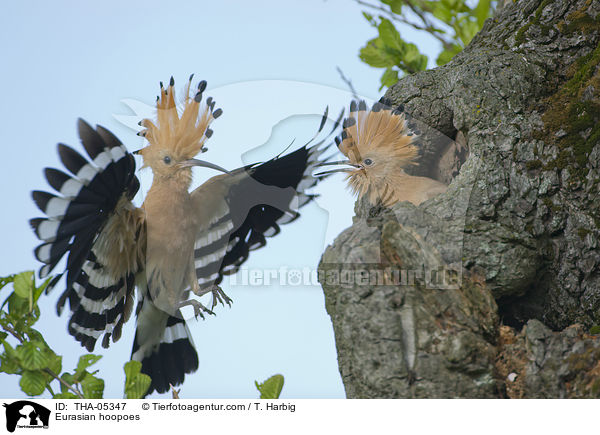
176	242
379	144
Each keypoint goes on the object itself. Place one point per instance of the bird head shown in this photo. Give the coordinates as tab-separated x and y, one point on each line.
378	144
178	133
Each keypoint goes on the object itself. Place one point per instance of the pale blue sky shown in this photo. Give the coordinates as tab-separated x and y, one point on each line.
265	63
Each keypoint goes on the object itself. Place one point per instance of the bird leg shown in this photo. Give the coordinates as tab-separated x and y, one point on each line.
217	292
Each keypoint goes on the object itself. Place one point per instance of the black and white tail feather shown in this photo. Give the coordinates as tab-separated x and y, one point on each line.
93	222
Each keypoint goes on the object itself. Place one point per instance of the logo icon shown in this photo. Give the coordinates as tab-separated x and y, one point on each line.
26	414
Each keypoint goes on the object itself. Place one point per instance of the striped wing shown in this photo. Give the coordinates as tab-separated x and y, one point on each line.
94	224
260	198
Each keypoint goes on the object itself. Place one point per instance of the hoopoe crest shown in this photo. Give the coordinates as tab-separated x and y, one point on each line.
177	137
379	145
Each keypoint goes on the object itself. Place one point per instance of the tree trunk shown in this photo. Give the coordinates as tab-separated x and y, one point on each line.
514	123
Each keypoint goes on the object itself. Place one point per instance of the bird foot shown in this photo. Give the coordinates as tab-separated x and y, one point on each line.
199	309
220	296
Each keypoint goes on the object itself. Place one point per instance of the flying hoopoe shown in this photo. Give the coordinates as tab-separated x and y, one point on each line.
177	242
379	144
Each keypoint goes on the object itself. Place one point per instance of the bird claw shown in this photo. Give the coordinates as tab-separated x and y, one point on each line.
220	296
199	309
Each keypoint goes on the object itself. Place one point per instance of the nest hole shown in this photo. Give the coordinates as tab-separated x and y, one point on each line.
441	155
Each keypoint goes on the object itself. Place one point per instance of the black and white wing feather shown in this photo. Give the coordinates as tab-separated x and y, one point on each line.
93	223
260	198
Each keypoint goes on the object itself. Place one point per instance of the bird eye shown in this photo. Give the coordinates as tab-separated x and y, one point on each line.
167	160
368	162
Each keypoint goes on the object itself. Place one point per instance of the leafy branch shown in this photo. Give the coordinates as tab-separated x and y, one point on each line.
36	363
452	22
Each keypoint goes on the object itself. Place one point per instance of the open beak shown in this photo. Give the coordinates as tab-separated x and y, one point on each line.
204	164
350	167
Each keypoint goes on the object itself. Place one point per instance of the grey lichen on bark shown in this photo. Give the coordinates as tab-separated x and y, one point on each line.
521	216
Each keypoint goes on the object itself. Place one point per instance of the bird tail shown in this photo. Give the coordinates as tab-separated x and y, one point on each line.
164	346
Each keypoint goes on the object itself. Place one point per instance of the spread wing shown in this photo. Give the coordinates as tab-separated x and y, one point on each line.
94	224
255	201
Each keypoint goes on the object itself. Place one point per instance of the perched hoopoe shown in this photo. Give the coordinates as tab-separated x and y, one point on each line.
176	242
379	144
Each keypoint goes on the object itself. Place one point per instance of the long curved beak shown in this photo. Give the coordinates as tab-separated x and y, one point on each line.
204	164
352	167
339	162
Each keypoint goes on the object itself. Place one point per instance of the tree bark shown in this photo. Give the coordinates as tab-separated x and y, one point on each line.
513	122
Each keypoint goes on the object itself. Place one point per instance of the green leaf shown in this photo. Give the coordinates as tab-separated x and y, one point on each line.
369	18
446	55
389	78
412	53
54	364
35	335
482	11
413	60
9	350
9	365
428	5
39	290
17	306
69	379
390	36
10	360
395	5
467	31
422	63
594	330
32	357
271	388
65	396
6	279
456	5
375	56
85	361
33	382
92	387
3	336
23	284
442	12
136	383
